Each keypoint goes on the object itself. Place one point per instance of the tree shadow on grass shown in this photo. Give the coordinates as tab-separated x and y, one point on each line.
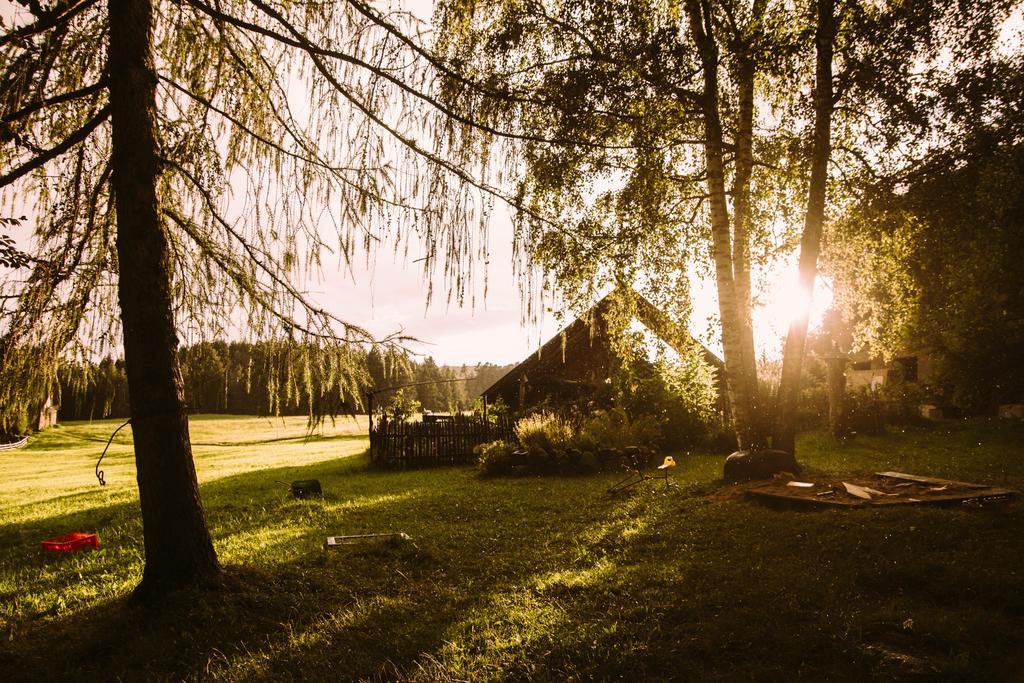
529	578
295	609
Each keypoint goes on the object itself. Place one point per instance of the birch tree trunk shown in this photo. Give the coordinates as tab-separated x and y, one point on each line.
810	242
744	163
177	544
740	363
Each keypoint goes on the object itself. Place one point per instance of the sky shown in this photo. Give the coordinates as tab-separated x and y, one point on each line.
390	295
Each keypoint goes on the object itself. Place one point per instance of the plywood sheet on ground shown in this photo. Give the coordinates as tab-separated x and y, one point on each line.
878	489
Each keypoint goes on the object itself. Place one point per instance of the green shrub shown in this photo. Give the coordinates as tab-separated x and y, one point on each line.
546	431
679	395
812	412
901	401
558	443
614	428
495	457
720	439
865	413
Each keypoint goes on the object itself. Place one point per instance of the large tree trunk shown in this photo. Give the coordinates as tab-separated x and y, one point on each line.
784	436
740	362
745	72
178	546
756	437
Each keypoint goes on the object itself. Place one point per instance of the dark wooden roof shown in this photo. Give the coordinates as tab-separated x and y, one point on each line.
587	336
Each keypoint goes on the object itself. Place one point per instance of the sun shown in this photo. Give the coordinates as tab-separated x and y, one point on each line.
781	299
777	298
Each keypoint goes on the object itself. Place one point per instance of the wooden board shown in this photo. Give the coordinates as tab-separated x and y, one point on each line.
886	489
947	499
928	480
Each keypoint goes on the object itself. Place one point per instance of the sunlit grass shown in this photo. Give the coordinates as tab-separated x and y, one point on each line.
56	471
512	578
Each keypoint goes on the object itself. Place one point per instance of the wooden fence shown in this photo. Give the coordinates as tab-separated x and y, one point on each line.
445	441
17	444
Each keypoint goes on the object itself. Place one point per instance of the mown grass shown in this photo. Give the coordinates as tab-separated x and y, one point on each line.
514	578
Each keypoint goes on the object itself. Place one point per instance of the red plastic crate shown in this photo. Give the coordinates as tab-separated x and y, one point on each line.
74	542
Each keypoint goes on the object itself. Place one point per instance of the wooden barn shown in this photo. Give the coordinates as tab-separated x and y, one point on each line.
578	361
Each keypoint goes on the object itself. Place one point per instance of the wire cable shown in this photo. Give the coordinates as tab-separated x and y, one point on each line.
99	472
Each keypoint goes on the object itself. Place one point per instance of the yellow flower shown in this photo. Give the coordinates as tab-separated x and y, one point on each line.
669	462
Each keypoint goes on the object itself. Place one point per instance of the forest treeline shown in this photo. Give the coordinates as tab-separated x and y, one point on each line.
271	378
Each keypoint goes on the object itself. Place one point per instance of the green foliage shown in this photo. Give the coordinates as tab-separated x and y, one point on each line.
868	411
679	395
495	457
614	428
812	411
402	404
25	391
557	442
933	264
501	458
548	431
494	410
268	378
91	391
901	401
865	412
10	255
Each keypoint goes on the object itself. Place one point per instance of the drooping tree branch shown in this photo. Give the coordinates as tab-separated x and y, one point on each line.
39	105
62	13
302	42
48	155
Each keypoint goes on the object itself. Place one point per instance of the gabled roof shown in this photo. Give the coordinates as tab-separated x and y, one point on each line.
591	324
673	334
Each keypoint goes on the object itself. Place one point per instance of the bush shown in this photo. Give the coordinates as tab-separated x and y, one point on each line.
865	413
551	443
546	431
495	457
901	402
613	428
720	439
678	395
812	411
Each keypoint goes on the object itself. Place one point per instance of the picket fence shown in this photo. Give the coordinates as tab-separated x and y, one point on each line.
443	440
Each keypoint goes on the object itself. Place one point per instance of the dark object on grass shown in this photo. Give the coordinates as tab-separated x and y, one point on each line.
74	542
750	465
304	488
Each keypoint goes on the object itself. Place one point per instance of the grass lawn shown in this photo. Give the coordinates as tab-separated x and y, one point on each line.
513	578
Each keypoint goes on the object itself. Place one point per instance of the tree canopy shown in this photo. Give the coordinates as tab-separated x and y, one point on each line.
673	136
190	161
927	259
290	140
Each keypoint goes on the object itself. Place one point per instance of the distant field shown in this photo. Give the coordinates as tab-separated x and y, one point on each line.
532	578
56	471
